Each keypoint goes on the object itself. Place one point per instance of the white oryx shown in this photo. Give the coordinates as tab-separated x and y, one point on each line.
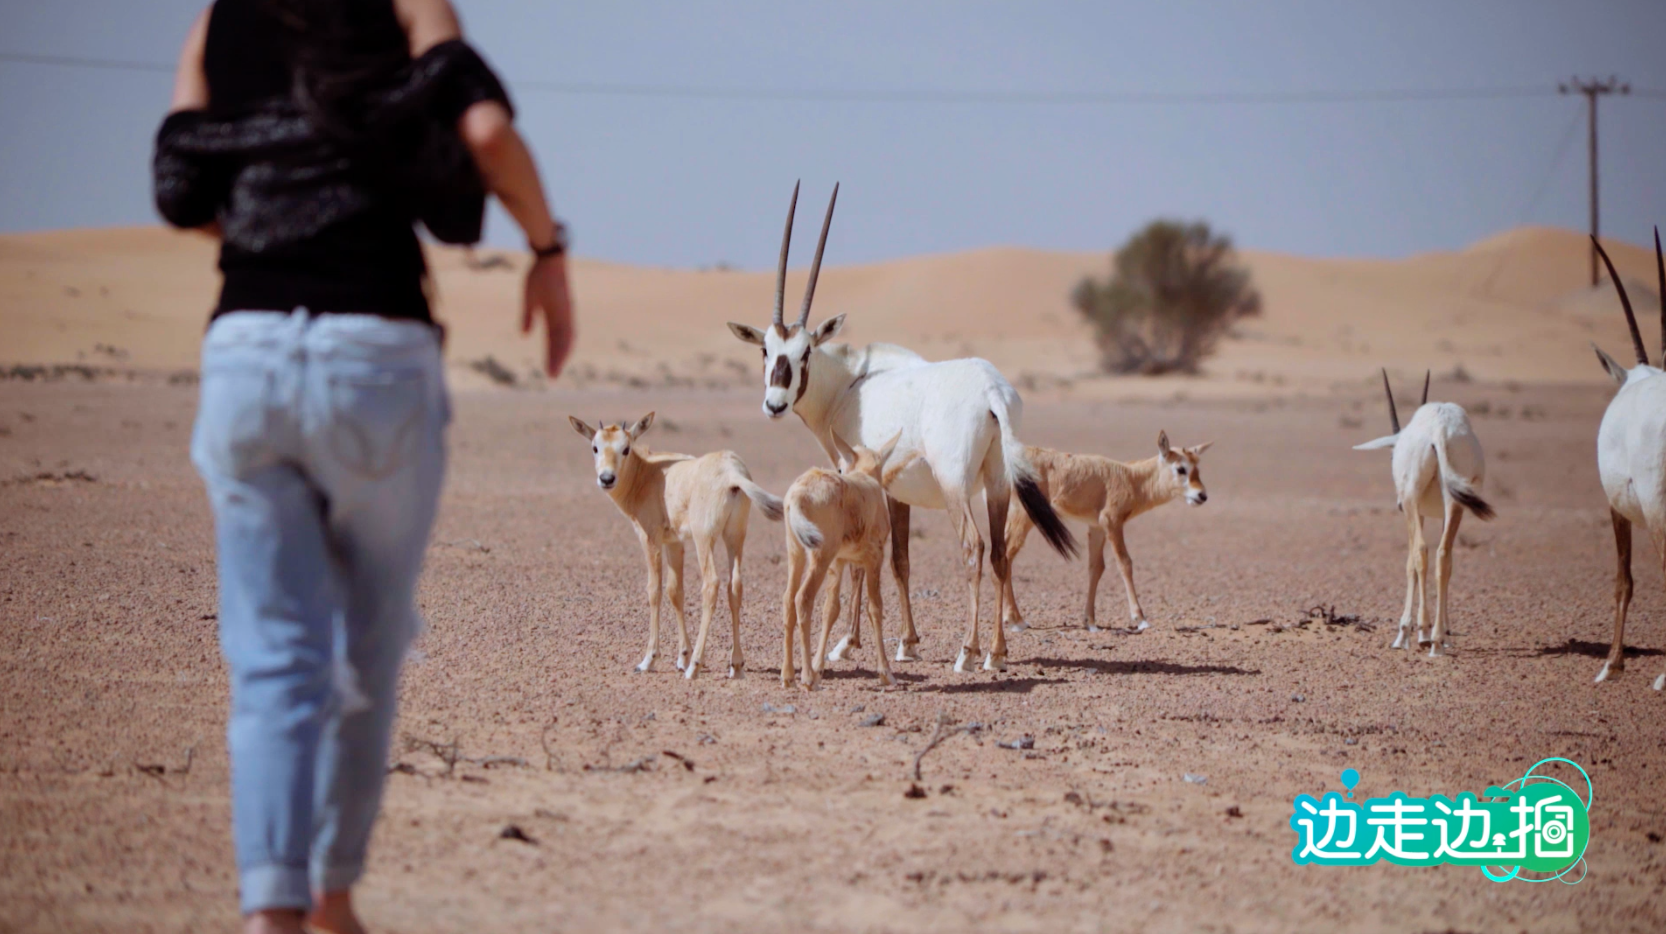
1631	456
1438	469
958	416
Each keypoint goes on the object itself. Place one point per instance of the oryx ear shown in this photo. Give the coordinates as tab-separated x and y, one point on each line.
1611	365
642	424
581	428
747	333
891	471
1163	443
1197	451
847	455
827	329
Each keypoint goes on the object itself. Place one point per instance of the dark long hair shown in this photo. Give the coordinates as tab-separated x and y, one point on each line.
344	51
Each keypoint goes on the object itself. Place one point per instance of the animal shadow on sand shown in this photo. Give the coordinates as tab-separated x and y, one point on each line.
997	686
1570	647
860	673
1144	667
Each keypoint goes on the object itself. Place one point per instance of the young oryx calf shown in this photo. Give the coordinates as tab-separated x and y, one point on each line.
833	520
1438	469
1631	457
1105	494
670	498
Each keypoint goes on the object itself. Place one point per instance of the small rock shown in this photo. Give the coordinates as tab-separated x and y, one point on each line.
784	708
873	719
914	791
514	832
1195	779
1022	742
1350	741
858	708
1234	811
1298	698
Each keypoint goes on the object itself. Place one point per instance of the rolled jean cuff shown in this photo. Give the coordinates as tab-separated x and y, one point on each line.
337	878
274	886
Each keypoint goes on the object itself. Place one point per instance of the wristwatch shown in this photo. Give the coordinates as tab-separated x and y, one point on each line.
557	245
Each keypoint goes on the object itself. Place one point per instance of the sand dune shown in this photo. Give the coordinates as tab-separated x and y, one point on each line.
1516	306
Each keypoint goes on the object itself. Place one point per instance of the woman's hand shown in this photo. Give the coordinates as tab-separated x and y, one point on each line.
546	295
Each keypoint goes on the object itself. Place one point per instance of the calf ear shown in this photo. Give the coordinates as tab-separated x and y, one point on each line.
892	470
581	428
1611	365
847	454
642	425
1163	443
827	329
1199	449
884	453
747	333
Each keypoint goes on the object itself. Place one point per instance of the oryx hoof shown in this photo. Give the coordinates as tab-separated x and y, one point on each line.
1436	650
1399	640
736	669
692	670
908	651
963	661
1609	670
840	651
682	661
1660	683
1015	625
1140	625
993	662
647	664
886	680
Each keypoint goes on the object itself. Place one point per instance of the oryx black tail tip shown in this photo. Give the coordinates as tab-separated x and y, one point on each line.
1472	501
1045	518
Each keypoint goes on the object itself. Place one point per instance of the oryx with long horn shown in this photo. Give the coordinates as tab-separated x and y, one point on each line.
1631	455
1438	469
958	417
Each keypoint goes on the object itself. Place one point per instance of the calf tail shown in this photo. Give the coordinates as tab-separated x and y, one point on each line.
766	501
1021	476
804	530
1458	487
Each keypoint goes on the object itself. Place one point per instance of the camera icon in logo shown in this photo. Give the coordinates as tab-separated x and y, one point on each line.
1553	826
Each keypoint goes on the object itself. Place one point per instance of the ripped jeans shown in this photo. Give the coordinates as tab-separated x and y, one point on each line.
321	440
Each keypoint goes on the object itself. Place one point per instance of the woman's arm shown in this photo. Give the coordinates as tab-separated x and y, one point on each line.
509	172
190	80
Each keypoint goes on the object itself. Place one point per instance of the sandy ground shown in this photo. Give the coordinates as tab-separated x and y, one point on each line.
111	685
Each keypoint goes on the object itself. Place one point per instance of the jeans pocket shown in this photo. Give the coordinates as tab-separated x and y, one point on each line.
376	419
230	437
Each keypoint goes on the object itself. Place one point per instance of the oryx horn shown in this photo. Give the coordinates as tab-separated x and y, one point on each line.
1393	414
1425	387
1625	304
815	264
781	267
1660	270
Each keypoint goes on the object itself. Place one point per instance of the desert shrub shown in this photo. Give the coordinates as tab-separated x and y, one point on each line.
1175	288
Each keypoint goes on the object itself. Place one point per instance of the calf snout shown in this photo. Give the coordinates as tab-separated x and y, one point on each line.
1197	499
775	409
606	479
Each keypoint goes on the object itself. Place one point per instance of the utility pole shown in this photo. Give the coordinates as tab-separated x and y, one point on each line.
1593	89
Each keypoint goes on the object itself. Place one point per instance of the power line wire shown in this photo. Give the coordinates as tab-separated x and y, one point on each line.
918	95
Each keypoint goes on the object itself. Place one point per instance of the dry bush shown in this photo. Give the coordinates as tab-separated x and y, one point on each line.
1174	290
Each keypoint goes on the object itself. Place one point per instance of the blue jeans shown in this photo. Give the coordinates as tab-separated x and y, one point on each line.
321	440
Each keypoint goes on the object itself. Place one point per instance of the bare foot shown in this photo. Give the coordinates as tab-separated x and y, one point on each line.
274	921
332	913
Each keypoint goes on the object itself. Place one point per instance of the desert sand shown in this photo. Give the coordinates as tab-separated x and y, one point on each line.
645	802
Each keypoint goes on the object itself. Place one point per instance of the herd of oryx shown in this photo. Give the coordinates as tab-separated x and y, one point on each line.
906	432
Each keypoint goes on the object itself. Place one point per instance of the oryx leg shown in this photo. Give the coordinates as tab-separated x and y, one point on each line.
1096	570
1616	662
814	575
1402	639
1017	530
852	639
998	500
971	558
1125	564
1443	576
735	545
651	554
1420	557
705	552
797	558
876	613
674	590
908	644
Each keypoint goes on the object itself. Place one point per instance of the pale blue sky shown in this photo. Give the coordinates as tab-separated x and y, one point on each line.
688	181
